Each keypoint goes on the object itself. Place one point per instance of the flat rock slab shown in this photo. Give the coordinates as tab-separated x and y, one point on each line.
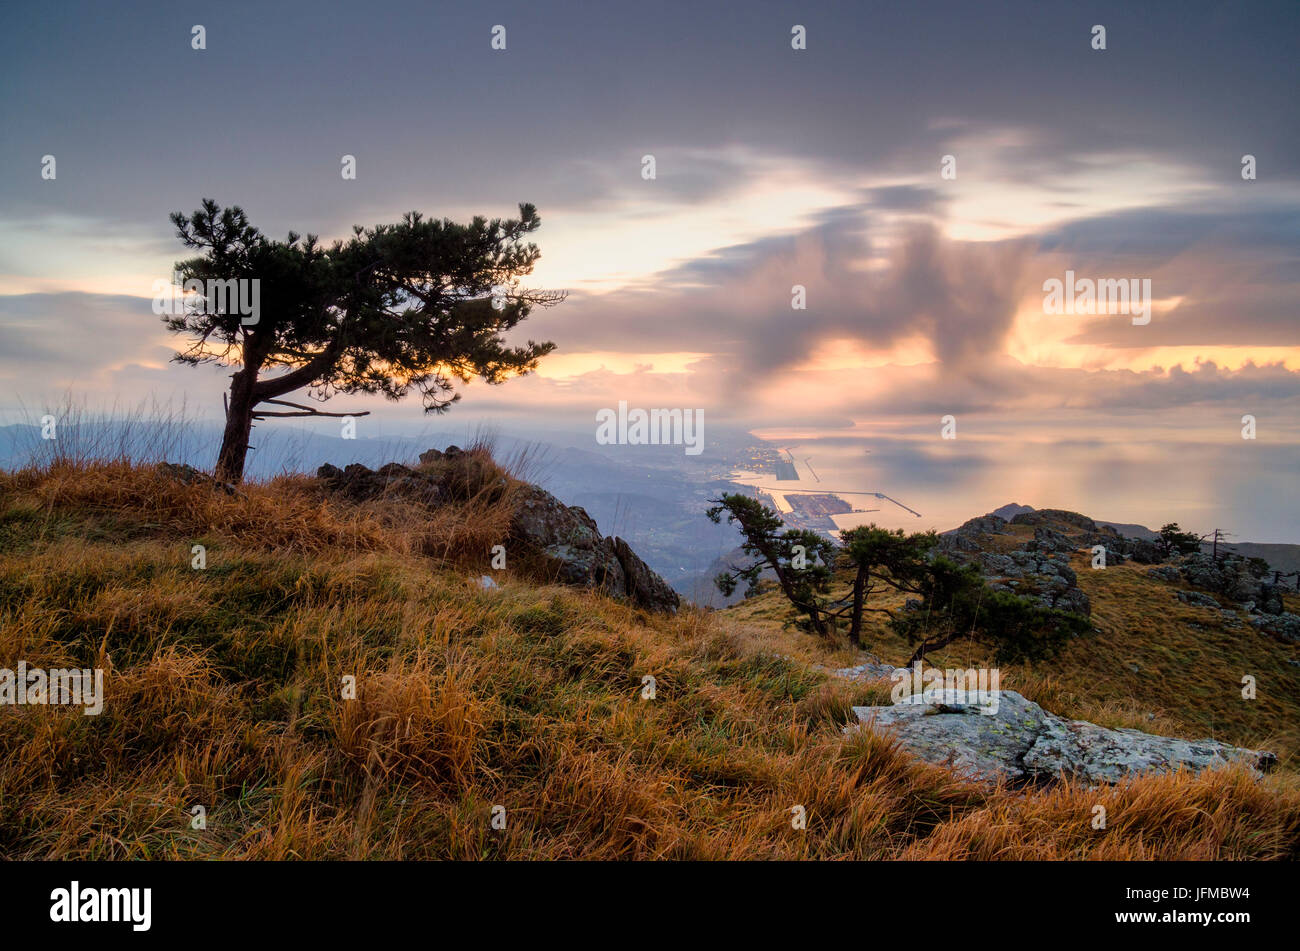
868	671
1023	744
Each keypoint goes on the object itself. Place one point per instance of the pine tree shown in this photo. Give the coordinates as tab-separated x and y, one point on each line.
415	305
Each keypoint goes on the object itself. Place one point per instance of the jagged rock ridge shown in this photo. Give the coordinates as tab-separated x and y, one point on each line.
541	524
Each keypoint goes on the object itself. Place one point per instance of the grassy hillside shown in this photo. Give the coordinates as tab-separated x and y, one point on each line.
224	690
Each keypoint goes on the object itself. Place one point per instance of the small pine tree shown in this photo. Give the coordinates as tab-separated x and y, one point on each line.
957	602
877	554
1174	541
802	561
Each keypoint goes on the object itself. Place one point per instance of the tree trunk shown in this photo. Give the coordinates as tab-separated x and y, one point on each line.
239	426
813	614
859	588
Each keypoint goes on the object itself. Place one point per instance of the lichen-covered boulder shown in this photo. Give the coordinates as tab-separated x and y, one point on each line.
1022	744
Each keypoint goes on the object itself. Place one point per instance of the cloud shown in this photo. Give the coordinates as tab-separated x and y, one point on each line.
736	302
73	336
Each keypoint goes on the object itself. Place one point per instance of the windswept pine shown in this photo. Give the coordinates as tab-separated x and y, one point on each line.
415	305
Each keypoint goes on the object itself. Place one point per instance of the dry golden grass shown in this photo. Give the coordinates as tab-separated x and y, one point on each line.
224	688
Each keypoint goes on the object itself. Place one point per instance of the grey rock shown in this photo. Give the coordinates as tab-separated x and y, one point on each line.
954	542
1025	745
1042	565
359	483
1055	515
1104	535
1168	573
643	586
188	475
568	536
984	525
1144	552
871	670
1197	599
1284	626
1230	576
1049	539
1114	554
1270	598
1065	572
1074	601
998	565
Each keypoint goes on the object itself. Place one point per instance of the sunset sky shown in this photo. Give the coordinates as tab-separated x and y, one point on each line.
775	167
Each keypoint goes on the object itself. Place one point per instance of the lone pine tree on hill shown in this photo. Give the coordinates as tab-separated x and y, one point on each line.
416	305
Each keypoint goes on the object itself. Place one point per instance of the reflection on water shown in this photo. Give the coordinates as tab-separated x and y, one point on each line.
1248	490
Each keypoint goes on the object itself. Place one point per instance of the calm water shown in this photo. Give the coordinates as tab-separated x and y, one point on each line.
1244	488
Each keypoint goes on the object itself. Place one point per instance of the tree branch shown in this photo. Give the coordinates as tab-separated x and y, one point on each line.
264	390
310	412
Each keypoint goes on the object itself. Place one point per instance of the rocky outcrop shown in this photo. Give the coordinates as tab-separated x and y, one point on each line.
1284	626
984	525
1144	552
1168	573
1039	569
569	536
1230	576
1084	532
1023	744
565	536
1047	577
643	585
1270	598
1197	599
1057	516
359	483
